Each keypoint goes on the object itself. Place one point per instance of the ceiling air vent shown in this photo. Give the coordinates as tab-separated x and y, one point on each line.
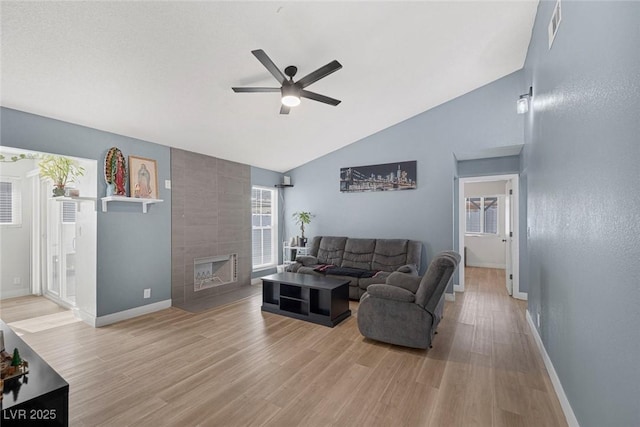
556	17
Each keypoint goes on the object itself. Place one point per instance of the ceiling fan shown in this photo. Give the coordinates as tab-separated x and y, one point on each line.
292	91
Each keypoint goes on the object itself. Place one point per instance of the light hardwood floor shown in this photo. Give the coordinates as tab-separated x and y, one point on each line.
237	366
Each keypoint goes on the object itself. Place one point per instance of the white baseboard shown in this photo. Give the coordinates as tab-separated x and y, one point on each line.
521	295
85	317
485	265
11	293
131	313
450	297
572	421
256	281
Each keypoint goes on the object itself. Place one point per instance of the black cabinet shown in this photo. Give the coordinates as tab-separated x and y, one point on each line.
306	297
39	398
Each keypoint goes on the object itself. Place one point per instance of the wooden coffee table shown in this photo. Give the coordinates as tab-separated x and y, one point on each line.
306	297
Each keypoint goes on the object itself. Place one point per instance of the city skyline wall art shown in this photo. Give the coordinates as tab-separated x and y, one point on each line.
382	177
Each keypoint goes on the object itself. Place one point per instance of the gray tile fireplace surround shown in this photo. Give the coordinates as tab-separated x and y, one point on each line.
210	218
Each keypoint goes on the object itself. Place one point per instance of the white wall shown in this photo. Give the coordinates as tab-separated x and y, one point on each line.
15	241
489	188
487	250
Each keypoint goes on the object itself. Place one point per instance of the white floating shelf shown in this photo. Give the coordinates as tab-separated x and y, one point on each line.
75	199
143	202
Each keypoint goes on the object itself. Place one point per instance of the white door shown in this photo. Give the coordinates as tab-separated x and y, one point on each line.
60	246
508	236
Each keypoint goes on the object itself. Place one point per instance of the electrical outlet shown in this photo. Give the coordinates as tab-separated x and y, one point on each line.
147	293
17	281
538	319
167	184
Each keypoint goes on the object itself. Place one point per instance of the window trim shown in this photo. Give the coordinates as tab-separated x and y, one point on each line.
274	229
16	201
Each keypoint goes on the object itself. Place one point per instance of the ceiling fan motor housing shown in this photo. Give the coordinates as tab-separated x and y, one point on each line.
291	71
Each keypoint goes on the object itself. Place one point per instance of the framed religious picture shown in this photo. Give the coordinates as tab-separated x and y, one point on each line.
143	178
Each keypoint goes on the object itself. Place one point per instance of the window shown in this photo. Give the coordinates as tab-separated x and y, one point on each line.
482	215
264	227
68	212
10	201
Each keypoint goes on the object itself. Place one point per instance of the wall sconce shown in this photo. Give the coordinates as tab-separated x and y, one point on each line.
522	105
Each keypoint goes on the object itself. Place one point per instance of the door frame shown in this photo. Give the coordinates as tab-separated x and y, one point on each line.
515	246
36	230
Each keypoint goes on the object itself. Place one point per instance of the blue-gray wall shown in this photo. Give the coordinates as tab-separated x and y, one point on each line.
267	178
490	166
134	249
581	164
482	119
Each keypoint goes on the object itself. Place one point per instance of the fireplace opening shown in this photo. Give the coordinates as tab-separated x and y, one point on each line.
214	271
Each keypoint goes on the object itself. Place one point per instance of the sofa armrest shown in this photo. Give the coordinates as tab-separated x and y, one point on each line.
293	268
307	260
391	293
404	281
408	269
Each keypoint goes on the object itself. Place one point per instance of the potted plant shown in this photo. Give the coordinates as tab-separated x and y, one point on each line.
302	218
61	170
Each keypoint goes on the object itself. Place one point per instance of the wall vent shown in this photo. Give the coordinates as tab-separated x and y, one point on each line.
556	17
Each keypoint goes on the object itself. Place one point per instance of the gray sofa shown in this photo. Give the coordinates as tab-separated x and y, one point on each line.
361	261
406	310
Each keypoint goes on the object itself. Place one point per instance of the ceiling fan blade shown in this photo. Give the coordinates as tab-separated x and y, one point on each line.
269	65
284	109
320	98
256	89
319	73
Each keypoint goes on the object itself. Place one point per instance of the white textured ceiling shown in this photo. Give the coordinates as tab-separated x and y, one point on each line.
163	71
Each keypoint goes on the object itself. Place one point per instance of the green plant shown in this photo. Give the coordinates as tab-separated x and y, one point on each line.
302	218
59	169
16	360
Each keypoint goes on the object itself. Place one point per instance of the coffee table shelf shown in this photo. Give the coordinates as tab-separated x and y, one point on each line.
306	297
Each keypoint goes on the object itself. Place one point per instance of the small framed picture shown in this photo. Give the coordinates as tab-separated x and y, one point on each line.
143	178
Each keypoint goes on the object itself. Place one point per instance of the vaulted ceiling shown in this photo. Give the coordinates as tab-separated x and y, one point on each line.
163	71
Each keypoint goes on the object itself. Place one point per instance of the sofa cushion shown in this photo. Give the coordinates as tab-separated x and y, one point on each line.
389	254
358	253
380	277
353	281
309	270
307	260
409	269
405	281
331	249
348	271
432	278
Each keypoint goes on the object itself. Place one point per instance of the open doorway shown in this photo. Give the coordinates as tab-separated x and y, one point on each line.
48	244
488	227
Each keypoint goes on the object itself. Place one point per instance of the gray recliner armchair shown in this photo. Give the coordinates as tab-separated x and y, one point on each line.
406	309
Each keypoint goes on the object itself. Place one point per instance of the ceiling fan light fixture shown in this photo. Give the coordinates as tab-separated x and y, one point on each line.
290	100
290	95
